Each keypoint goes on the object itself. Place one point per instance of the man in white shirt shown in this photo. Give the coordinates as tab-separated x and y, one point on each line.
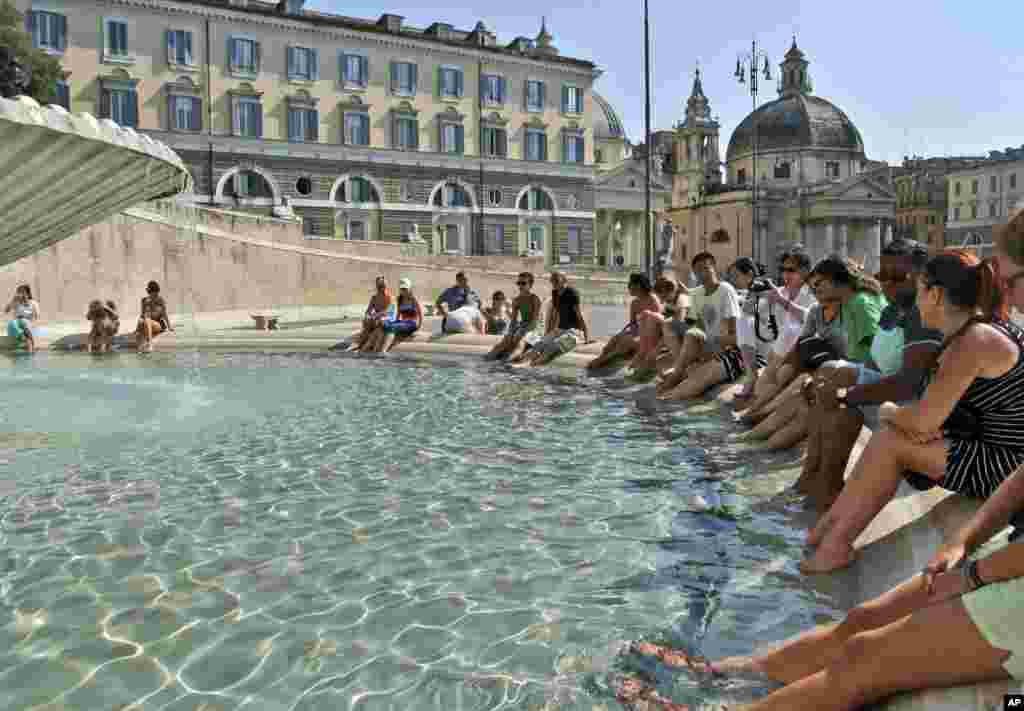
710	355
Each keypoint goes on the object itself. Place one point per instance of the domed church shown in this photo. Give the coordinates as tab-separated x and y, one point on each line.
814	185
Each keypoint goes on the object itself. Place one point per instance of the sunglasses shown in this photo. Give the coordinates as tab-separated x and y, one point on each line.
522	283
789	270
897	278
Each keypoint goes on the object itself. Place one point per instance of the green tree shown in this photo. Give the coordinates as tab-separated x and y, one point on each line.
45	68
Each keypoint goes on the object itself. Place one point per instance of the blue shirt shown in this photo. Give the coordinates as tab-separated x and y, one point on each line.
458	296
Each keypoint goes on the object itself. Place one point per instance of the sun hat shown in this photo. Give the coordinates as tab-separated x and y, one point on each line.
405	283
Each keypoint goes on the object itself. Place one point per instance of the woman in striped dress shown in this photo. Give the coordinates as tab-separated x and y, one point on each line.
966	434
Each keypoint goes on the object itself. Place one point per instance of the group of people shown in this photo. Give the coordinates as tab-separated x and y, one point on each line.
101	314
924	354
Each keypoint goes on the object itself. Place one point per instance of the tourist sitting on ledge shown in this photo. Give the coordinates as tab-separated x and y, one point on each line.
966	433
709	355
153	320
566	327
408	319
526	316
902	353
627	341
859	302
957	622
498	315
456	297
754	334
26	310
662	331
105	325
379	309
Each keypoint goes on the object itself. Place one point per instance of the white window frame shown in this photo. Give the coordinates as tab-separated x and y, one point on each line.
494	82
530	228
490	197
312	59
569	108
176	99
108	57
569	156
343	59
399	118
453	147
485	148
309	115
190	60
400	90
364	117
530	108
576	249
456	71
527	133
240	100
830	174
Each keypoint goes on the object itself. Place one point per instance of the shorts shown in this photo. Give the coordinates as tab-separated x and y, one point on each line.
156	326
523	331
18	328
732	361
558	342
995	611
497	327
679	328
746	337
400	327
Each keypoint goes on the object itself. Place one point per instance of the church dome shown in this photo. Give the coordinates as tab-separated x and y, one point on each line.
795	121
606	122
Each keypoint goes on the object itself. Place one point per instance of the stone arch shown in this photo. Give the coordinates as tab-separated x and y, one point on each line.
542	188
263	172
474	205
368	178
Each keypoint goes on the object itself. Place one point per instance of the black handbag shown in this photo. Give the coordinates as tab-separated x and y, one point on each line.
815	350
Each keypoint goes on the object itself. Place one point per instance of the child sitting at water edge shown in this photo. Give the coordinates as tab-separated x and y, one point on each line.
497	315
105	324
626	343
26	310
408	319
153	320
526	313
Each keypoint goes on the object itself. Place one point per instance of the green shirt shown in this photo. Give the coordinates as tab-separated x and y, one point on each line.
860	316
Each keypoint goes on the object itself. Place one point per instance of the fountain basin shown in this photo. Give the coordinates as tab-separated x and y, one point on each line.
62	172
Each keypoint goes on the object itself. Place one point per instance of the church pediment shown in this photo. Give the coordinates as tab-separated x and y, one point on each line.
630	176
857	187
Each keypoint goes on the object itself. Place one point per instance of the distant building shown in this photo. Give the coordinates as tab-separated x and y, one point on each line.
921	206
981	197
368	127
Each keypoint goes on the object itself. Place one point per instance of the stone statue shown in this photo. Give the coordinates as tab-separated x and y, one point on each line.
15	78
414	234
284	210
534	249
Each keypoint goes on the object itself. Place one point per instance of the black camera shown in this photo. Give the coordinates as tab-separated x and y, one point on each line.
761	285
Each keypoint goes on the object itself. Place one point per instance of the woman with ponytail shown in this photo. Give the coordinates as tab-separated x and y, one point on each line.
966	433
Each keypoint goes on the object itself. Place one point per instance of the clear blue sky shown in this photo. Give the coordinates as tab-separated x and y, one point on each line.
922	76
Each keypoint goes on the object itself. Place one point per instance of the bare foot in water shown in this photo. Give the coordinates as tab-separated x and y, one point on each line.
673	657
828	559
634	694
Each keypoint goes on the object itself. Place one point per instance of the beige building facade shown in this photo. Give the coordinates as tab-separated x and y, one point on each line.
370	128
983	196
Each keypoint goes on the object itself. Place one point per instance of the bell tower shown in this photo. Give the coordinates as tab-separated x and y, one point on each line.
697	157
794	77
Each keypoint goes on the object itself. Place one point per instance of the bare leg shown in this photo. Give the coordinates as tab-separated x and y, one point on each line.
871	487
775	421
843	428
617	346
792	432
650	333
387	343
693	347
699	382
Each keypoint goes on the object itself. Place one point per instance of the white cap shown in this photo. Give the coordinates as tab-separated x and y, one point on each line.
405	283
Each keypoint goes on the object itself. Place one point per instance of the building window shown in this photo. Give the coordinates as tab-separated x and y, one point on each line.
247	116
572	100
303	64
993	209
303	124
357	129
452	136
355	70
120	105
534	95
974	187
956	188
304	186
573	240
407	133
497	239
452	195
782	171
1013	181
741	176
186	113
536	199
360	190
49	30
956	214
357	230
974	211
495	142
179	48
993	182
492	89
831	169
62	94
249	184
450	82
572	148
117	38
403	78
245	56
494	197
535	234
536	145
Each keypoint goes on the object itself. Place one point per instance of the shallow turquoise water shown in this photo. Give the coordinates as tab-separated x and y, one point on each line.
308	532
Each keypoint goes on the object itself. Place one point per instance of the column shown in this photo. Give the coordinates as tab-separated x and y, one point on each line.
873	263
844	239
830	238
887	236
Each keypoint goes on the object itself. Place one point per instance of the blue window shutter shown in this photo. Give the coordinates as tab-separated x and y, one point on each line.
232	53
105	103
415	129
314	58
258	109
62	32
256	57
172	47
187	36
314	126
197	115
502	142
501	90
543	137
293	121
132	119
459	139
30	23
364	71
458	83
483	86
565	99
579	149
394	77
543	94
414	78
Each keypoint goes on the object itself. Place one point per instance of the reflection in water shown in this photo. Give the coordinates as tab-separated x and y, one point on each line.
305	531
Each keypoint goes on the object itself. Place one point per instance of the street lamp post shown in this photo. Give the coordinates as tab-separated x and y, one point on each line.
749	63
648	235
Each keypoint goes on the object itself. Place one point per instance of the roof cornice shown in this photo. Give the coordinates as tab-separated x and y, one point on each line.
318	26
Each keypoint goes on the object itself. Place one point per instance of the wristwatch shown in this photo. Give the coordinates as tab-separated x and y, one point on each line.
841	397
971	576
